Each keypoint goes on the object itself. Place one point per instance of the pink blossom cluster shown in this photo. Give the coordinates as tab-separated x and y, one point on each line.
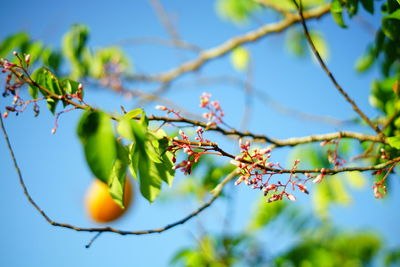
13	85
257	172
215	112
193	150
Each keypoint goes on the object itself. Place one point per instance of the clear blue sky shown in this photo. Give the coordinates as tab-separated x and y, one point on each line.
54	167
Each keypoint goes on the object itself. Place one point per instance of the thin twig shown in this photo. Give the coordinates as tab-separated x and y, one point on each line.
330	75
88	245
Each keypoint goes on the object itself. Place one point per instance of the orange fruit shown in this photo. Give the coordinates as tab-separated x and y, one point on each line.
99	204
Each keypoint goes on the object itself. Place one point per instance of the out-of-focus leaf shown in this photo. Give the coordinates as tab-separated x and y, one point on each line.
368	5
96	134
237	11
265	213
107	57
355	179
330	191
366	61
13	42
320	44
337	13
394	141
296	42
391	25
74	46
52	59
392	258
240	58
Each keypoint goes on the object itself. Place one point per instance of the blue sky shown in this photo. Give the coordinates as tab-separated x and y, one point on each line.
54	167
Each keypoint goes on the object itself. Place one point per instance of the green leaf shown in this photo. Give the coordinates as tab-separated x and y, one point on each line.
337	13
118	176
149	176
240	58
391	25
365	62
69	86
49	81
133	161
394	141
133	113
96	134
368	5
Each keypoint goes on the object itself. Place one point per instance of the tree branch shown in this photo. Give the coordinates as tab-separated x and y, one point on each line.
256	137
275	142
329	73
230	44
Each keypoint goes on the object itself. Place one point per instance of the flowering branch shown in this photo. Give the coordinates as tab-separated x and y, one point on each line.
214	193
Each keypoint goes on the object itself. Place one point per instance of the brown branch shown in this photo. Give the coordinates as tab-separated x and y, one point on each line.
232	43
330	75
317	170
178	43
215	194
275	142
232	132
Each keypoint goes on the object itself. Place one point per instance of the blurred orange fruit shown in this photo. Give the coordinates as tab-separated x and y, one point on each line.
99	204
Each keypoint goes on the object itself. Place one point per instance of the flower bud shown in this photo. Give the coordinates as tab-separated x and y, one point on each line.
161	108
27	58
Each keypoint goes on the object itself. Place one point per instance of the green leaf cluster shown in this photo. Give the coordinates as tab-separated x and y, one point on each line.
145	156
237	11
22	43
54	86
84	62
